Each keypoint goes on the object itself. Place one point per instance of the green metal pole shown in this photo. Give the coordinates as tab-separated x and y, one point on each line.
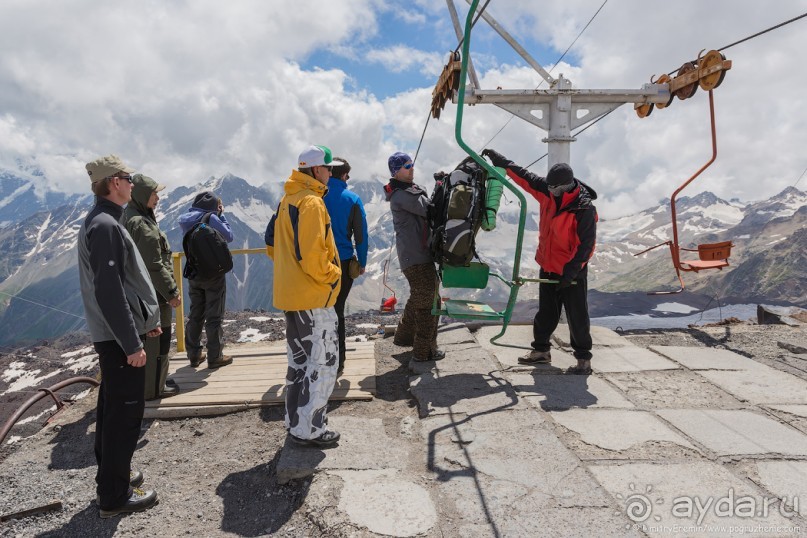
515	284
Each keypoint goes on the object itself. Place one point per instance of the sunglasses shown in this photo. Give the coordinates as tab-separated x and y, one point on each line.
407	166
125	178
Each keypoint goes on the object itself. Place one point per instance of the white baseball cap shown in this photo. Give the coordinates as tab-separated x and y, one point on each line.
317	156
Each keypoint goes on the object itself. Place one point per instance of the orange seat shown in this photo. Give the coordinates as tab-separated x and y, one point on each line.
712	256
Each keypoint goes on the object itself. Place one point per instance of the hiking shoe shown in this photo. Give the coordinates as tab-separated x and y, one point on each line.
223	361
536	357
169	390
135	480
437	354
326	440
138	501
579	370
196	360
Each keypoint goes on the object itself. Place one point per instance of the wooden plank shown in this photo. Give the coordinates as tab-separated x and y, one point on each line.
257	377
247	399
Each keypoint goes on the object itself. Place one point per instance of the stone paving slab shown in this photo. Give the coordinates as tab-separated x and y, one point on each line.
511	467
386	503
786	480
616	429
737	432
364	445
761	385
600	336
649	490
629	359
798	410
559	392
454	333
672	389
463	393
706	358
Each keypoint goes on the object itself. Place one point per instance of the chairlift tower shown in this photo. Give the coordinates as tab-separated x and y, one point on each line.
557	110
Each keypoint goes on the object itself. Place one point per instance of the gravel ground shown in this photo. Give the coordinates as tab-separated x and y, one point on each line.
210	484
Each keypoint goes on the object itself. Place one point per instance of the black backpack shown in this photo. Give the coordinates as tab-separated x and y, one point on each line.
206	252
455	213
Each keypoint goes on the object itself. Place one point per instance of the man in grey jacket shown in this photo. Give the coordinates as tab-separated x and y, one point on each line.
121	309
409	203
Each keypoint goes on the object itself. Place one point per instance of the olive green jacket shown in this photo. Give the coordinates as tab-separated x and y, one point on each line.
152	243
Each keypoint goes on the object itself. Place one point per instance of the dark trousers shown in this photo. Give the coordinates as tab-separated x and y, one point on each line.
550	302
339	306
157	350
207	309
117	428
417	323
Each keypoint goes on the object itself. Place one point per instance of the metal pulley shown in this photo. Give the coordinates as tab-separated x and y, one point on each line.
447	84
708	72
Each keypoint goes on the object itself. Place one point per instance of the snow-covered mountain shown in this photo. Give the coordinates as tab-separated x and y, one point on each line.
39	294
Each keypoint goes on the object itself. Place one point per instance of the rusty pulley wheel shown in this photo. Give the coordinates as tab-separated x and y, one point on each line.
685	92
712	81
643	110
664	79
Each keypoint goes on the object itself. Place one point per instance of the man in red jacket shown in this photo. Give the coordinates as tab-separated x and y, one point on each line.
566	238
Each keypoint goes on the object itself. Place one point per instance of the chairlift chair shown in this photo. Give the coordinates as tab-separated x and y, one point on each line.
710	255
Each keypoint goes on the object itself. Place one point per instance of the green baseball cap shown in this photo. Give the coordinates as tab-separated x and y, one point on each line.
105	167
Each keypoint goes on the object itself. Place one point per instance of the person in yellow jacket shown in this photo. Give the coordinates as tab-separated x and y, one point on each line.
307	279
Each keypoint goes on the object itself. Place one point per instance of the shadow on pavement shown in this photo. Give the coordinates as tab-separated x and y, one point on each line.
247	494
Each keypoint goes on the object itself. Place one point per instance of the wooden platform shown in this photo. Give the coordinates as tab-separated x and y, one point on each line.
257	377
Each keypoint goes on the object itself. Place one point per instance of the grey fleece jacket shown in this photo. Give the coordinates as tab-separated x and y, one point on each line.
409	205
119	300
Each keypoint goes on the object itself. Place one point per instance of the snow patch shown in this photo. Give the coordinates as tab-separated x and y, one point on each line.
677	308
252	335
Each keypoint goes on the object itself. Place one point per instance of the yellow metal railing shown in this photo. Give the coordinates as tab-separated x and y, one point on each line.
180	322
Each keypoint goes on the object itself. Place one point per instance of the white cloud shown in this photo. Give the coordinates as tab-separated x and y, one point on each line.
188	90
400	58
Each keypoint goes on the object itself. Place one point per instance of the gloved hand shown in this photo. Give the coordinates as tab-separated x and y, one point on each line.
496	158
565	283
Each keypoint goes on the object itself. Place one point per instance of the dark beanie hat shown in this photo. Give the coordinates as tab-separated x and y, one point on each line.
207	201
559	174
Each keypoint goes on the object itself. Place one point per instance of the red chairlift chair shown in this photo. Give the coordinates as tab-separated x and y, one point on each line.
387	303
710	255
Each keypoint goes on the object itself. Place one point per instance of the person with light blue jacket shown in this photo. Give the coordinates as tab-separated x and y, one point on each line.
349	225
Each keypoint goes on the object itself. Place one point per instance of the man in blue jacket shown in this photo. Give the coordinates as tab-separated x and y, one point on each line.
207	296
349	225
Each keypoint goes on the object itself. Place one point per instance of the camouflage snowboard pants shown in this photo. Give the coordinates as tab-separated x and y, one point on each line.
313	355
417	324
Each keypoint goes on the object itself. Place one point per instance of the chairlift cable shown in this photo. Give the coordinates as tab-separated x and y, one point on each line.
423	134
743	40
801	176
560	59
42	305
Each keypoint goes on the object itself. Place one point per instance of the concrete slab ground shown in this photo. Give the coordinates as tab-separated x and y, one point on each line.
737	432
364	445
798	410
386	503
629	359
661	499
761	385
616	429
672	389
600	336
559	392
786	480
706	358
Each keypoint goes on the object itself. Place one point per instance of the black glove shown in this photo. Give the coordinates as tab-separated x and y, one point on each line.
564	283
496	158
